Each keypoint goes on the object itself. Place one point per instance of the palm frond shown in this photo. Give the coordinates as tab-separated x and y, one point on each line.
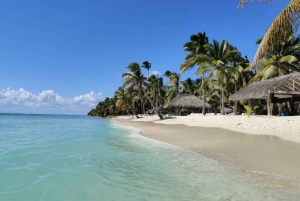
286	21
243	2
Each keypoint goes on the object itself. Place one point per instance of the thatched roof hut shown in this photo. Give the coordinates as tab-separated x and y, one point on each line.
282	87
186	101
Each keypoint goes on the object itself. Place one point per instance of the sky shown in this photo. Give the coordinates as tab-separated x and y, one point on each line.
63	57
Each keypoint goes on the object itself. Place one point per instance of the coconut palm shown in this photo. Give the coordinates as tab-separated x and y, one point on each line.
217	59
155	91
147	65
174	78
281	60
122	98
195	48
135	81
286	21
190	86
237	74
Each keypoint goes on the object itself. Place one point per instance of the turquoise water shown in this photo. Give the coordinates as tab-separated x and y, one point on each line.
47	157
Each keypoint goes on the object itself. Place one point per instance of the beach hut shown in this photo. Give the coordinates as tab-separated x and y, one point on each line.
186	101
281	89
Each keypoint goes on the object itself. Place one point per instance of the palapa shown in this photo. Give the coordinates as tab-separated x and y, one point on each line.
186	101
283	85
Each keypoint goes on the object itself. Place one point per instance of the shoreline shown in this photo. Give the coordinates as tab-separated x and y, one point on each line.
286	128
252	153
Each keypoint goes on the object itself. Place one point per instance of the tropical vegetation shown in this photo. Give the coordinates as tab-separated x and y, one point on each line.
221	70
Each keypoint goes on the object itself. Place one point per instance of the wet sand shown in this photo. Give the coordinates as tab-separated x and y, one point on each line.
252	153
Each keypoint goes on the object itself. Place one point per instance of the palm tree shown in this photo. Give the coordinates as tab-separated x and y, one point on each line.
147	65
135	81
281	60
286	21
190	86
122	98
174	78
217	59
195	48
238	76
155	91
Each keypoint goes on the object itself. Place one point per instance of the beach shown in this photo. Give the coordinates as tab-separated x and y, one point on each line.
259	144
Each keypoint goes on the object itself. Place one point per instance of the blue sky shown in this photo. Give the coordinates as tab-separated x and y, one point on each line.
65	56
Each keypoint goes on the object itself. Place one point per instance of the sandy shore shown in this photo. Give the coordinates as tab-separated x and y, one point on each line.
287	128
264	152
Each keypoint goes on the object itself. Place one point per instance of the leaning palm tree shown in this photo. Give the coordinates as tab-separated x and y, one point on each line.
217	59
135	81
195	47
286	21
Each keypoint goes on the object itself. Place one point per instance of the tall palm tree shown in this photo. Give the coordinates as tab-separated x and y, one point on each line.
217	59
286	21
147	65
237	75
174	78
122	98
155	91
195	48
135	81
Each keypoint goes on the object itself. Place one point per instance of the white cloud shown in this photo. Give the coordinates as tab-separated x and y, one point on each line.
46	102
154	72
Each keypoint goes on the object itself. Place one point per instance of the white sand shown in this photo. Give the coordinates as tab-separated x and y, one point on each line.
287	128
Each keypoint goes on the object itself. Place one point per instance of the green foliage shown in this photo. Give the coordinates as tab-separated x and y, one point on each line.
222	71
259	107
248	110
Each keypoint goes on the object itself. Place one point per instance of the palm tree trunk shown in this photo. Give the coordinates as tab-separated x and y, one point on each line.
235	102
203	95
223	109
153	106
269	105
134	111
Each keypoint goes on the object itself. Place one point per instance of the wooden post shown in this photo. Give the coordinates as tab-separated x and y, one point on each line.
292	102
268	105
273	104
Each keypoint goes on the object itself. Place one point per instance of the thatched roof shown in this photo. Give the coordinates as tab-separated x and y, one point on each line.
186	101
286	84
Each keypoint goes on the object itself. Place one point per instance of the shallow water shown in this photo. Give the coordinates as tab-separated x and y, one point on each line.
48	157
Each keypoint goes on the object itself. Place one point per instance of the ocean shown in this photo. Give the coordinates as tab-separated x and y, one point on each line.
76	158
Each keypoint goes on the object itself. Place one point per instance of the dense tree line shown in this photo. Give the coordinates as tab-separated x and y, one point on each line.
221	69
